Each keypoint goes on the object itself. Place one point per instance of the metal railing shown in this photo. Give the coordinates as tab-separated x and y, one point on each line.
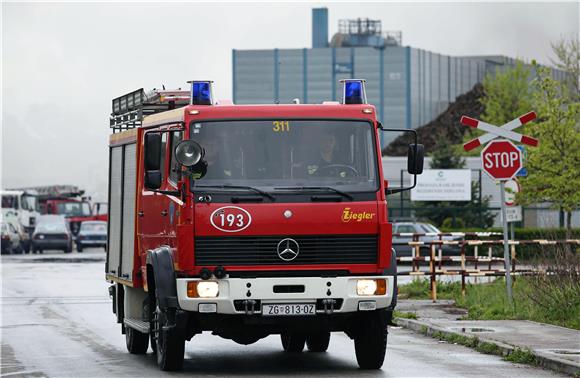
482	263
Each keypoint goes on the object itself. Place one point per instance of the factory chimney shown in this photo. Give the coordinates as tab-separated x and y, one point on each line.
319	27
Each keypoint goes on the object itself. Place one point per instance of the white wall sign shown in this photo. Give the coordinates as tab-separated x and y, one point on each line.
514	213
443	185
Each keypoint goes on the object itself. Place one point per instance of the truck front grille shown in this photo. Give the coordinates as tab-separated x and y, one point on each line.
263	250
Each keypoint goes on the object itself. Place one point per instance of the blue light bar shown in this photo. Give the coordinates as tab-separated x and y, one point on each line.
201	92
353	91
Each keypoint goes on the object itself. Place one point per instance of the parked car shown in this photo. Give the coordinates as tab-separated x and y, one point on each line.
52	232
10	238
400	242
92	234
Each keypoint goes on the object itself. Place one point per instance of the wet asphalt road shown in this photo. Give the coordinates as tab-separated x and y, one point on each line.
56	321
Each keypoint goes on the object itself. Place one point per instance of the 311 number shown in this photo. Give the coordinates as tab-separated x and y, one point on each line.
280	126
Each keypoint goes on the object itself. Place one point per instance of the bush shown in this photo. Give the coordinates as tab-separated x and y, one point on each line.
448	223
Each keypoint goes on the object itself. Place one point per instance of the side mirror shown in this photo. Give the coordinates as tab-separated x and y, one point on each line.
152	151
153	161
153	179
415	158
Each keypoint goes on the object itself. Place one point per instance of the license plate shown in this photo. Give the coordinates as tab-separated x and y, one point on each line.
289	309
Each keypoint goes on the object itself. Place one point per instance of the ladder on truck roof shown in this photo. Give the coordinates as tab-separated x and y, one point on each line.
129	110
55	191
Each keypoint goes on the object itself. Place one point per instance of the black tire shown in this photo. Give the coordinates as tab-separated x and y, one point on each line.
370	342
68	249
137	342
293	342
79	247
318	342
170	344
26	248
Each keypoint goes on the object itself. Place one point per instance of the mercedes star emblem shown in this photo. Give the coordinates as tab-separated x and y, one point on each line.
288	249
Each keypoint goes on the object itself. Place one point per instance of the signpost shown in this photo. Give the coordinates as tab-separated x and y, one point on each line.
501	160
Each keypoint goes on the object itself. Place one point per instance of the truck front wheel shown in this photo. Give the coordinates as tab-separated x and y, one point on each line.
137	342
170	344
370	341
293	342
318	342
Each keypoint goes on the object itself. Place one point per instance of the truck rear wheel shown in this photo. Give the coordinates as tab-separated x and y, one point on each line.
318	342
293	342
137	342
170	344
370	341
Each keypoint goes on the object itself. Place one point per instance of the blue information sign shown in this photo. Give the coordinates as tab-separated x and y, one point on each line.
523	171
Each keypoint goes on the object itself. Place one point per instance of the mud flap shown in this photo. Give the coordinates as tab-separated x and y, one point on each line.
161	261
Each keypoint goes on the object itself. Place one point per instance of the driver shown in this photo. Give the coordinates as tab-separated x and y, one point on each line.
327	153
216	169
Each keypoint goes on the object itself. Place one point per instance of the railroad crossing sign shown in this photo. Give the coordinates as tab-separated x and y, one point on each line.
503	131
501	159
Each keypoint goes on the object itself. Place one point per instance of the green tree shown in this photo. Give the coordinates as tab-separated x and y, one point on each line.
455	214
507	95
567	52
554	166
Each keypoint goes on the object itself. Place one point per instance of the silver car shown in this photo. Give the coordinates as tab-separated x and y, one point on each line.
407	228
52	232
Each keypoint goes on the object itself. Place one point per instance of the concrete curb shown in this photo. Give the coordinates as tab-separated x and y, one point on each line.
544	360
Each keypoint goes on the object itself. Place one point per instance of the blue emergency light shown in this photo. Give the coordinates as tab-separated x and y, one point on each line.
201	92
353	91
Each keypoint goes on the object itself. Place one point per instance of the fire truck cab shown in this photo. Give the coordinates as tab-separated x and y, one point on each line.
248	221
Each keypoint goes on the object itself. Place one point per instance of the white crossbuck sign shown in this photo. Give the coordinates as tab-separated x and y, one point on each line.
495	131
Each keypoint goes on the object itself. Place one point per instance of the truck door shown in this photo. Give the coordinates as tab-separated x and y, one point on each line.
153	212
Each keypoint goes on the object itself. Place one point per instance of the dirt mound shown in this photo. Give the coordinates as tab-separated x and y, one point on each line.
446	125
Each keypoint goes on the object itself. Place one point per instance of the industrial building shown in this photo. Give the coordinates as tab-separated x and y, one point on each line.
409	86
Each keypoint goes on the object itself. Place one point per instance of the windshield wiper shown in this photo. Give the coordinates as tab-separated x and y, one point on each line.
250	188
327	188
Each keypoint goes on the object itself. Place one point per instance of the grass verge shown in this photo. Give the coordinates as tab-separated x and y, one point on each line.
405	315
518	355
489	301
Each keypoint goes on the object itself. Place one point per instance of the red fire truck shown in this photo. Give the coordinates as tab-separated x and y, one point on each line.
69	200
248	221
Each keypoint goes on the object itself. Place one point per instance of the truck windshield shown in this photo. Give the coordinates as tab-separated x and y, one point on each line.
29	202
289	153
9	202
74	209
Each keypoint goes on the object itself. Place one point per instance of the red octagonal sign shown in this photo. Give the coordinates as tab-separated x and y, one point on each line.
501	159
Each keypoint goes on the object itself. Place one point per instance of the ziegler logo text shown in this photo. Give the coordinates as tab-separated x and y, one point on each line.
348	215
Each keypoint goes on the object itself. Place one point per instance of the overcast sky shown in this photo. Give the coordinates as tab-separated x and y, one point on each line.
63	63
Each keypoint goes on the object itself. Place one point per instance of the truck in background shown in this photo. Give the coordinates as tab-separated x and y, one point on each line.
21	208
248	221
69	201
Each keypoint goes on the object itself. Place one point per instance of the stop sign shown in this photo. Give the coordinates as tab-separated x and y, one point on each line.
501	159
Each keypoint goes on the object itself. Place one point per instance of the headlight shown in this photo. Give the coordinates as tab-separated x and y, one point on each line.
202	289
371	287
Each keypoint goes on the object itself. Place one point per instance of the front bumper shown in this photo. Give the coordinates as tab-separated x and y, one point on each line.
234	290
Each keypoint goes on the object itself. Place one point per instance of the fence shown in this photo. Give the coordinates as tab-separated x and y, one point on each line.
483	264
